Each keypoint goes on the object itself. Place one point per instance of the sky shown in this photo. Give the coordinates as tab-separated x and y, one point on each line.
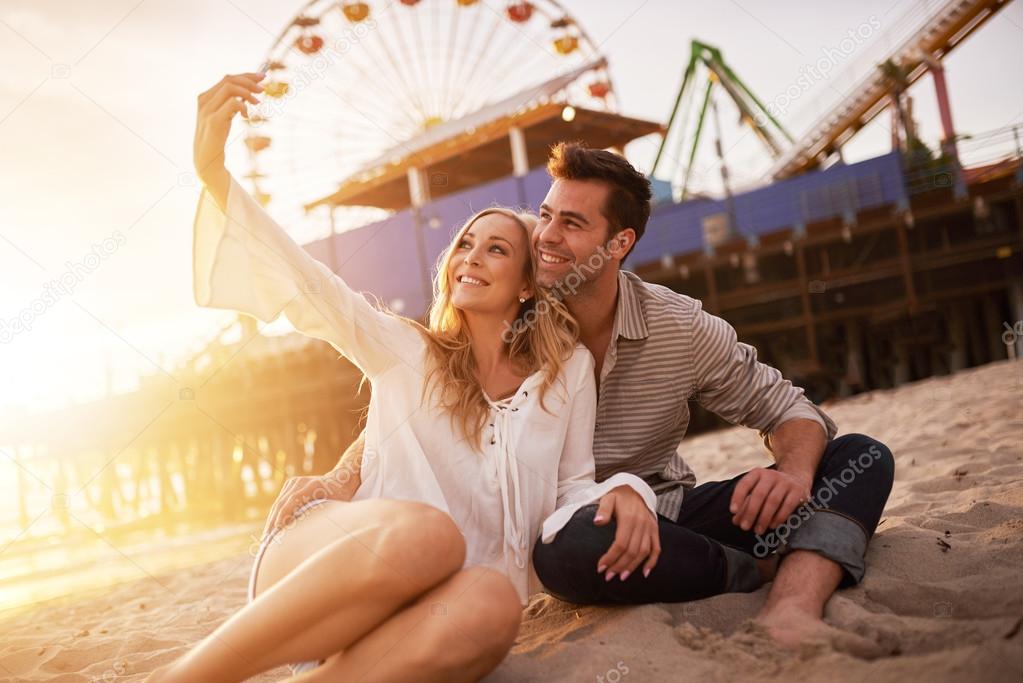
97	110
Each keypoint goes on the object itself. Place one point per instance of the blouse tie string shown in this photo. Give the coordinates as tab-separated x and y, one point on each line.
511	492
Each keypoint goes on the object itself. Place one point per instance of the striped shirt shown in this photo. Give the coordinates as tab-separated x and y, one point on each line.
666	350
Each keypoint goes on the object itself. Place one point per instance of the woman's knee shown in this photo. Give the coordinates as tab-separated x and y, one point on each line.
472	623
424	534
415	538
491	608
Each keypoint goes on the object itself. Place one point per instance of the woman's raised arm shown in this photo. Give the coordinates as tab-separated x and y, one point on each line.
243	260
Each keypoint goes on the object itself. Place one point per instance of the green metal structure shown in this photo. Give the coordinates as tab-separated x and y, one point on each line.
752	110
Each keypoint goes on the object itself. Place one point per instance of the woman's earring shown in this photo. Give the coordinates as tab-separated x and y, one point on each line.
522	300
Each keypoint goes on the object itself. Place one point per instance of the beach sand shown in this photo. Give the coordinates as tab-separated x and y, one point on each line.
943	595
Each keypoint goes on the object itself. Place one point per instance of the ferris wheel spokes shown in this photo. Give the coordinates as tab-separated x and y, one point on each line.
359	80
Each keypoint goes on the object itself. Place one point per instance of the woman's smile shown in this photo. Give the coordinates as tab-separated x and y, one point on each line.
472	281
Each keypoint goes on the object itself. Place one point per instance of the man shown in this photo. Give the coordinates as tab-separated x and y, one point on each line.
655	350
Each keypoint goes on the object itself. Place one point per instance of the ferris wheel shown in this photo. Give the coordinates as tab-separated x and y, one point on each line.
349	81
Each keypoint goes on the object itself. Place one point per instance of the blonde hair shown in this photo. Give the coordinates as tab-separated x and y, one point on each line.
543	340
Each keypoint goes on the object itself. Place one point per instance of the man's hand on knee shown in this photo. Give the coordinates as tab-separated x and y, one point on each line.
765	498
637	534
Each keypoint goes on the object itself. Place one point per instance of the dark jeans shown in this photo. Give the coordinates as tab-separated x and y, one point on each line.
704	554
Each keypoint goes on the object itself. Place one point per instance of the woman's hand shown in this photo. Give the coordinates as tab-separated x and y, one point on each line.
297	491
637	534
216	107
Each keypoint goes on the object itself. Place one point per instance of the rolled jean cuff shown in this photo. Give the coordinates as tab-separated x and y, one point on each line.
743	575
836	537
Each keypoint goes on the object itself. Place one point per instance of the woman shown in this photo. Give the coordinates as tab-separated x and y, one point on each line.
472	443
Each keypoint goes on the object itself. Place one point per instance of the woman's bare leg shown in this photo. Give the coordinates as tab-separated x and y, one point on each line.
332	578
458	631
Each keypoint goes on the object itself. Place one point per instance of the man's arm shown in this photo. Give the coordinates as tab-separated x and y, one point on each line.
731	382
798	446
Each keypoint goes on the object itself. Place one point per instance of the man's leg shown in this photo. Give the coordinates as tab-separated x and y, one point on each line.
824	541
690	567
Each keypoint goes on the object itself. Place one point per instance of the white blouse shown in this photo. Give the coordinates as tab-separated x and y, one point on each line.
536	468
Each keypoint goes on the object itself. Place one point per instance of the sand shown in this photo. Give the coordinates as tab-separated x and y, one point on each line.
943	595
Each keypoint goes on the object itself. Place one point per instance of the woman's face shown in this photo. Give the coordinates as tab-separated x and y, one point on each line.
487	270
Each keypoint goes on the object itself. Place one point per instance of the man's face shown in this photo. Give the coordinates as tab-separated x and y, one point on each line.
572	228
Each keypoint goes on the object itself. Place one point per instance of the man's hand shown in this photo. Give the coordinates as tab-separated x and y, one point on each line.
300	490
765	498
637	536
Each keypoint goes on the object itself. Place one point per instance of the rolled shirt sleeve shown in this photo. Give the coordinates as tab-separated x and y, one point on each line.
730	382
807	409
243	260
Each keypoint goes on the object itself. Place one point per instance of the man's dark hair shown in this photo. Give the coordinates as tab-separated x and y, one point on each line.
628	201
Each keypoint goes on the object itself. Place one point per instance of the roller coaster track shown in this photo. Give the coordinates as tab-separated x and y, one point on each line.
937	34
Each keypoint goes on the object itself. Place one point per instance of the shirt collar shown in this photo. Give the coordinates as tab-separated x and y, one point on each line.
629	320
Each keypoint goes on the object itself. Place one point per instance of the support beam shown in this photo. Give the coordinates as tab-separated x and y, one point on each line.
804	296
417	189
1019	213
853	381
948	134
958	337
901	368
420	195
993	330
896	123
907	267
519	152
1016	314
712	287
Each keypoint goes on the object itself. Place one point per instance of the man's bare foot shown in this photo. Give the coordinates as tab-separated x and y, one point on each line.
795	628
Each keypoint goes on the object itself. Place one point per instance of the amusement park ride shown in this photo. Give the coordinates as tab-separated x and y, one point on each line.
944	26
752	111
396	120
375	107
367	92
393	121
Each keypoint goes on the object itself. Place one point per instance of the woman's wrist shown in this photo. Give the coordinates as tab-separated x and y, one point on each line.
217	181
